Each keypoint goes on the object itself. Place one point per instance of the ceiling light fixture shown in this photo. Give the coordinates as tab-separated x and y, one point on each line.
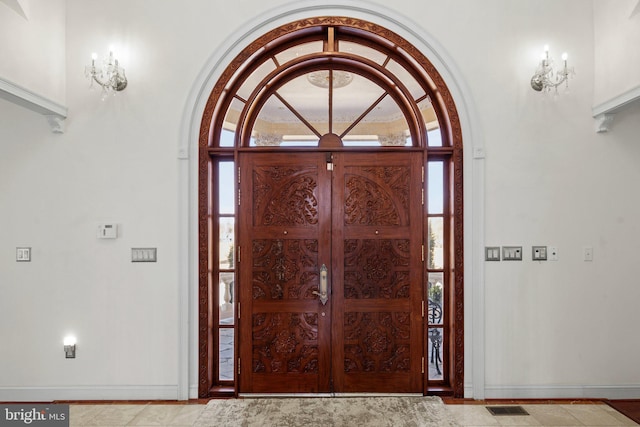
110	76
546	78
321	78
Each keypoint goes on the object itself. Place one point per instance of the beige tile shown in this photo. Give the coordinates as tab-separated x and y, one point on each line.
471	415
187	416
115	415
520	420
155	415
80	415
552	415
592	415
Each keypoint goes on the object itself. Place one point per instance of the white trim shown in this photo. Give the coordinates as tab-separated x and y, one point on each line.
23	97
82	392
605	112
563	392
473	169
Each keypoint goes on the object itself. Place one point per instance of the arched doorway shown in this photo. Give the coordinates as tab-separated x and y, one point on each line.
327	118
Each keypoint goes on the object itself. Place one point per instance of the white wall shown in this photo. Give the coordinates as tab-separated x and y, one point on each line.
563	328
33	49
617	61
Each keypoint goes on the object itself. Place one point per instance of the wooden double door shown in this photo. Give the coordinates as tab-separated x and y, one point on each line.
350	223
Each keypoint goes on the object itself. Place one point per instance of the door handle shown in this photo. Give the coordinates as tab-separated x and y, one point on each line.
324	287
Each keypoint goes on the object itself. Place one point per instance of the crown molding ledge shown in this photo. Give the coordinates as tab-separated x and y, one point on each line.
52	111
605	112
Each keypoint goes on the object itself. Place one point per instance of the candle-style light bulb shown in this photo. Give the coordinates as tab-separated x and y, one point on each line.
545	55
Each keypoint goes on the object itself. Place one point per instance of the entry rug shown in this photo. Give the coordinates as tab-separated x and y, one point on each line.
326	412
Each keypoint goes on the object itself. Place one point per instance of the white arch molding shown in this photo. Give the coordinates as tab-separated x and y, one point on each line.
473	180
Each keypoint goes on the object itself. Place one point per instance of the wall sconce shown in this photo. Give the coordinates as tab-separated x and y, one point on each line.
70	347
110	76
546	78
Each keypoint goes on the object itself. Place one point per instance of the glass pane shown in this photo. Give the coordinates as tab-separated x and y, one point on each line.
351	102
385	123
226	188
431	120
230	123
225	363
435	309
253	81
363	51
434	356
276	123
407	79
227	138
436	238
434	137
298	51
226	298
226	247
308	95
435	188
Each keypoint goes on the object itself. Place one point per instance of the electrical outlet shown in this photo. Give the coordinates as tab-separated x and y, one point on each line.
553	253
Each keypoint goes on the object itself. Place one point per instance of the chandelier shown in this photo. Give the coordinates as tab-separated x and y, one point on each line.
546	78
110	76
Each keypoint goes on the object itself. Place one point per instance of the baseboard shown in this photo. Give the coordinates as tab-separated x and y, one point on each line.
193	392
117	392
468	391
563	392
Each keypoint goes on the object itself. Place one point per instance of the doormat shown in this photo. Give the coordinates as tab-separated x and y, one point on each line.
326	412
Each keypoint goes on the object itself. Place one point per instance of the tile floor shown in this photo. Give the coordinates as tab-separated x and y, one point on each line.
119	415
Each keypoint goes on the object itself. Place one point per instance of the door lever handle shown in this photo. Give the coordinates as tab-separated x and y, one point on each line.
324	287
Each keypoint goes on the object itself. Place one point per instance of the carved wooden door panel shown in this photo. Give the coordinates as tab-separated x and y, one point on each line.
285	226
363	221
377	259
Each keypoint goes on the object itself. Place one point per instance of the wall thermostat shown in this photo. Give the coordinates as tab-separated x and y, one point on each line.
108	231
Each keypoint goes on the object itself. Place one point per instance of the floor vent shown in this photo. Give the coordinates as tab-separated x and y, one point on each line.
507	410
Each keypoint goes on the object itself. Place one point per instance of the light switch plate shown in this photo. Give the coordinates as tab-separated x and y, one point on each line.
23	254
539	253
512	253
144	254
492	253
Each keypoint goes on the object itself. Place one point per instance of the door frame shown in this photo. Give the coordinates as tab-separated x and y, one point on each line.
190	173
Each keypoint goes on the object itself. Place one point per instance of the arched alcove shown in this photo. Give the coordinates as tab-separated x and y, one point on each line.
200	121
